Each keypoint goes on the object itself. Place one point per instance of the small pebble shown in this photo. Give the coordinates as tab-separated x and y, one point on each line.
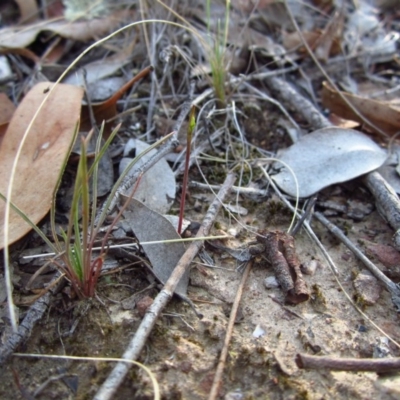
270	282
309	267
367	288
258	332
237	395
143	304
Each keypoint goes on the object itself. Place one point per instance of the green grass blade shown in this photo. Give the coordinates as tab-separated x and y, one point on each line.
31	224
60	176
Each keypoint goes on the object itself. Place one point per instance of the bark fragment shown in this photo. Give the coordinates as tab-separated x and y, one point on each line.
279	249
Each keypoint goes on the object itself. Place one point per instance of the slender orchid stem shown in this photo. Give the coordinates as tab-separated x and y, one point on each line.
192	124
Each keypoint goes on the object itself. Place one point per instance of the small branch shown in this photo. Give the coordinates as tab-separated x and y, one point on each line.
137	343
378	365
392	287
34	314
289	95
387	202
236	189
222	358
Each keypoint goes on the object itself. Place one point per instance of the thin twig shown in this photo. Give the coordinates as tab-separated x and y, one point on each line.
222	358
287	309
289	95
392	287
236	189
34	314
137	343
387	202
378	365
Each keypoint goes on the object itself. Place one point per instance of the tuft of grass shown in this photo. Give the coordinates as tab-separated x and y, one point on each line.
77	260
74	252
217	55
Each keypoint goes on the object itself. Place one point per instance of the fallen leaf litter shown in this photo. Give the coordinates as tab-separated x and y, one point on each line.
278	329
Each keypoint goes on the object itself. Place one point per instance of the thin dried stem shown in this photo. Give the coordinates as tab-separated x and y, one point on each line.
392	287
25	328
378	365
222	358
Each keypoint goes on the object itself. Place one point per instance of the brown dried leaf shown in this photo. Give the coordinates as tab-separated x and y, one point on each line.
279	250
43	153
107	109
83	30
383	115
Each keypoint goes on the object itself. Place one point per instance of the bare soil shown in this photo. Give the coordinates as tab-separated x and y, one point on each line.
183	350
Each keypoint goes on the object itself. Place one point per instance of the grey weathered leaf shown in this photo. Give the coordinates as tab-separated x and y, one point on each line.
157	186
149	225
325	157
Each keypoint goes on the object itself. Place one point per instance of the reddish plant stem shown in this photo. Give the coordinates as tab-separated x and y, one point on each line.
379	365
192	124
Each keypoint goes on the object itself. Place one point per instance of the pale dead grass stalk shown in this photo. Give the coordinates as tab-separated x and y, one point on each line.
214	392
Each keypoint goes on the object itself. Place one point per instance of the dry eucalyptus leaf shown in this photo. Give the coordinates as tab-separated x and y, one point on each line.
147	226
43	153
157	186
99	69
22	36
325	157
382	114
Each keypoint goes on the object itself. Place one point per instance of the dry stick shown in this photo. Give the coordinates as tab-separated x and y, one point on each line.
388	203
389	284
137	343
236	189
34	314
232	317
289	95
348	364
